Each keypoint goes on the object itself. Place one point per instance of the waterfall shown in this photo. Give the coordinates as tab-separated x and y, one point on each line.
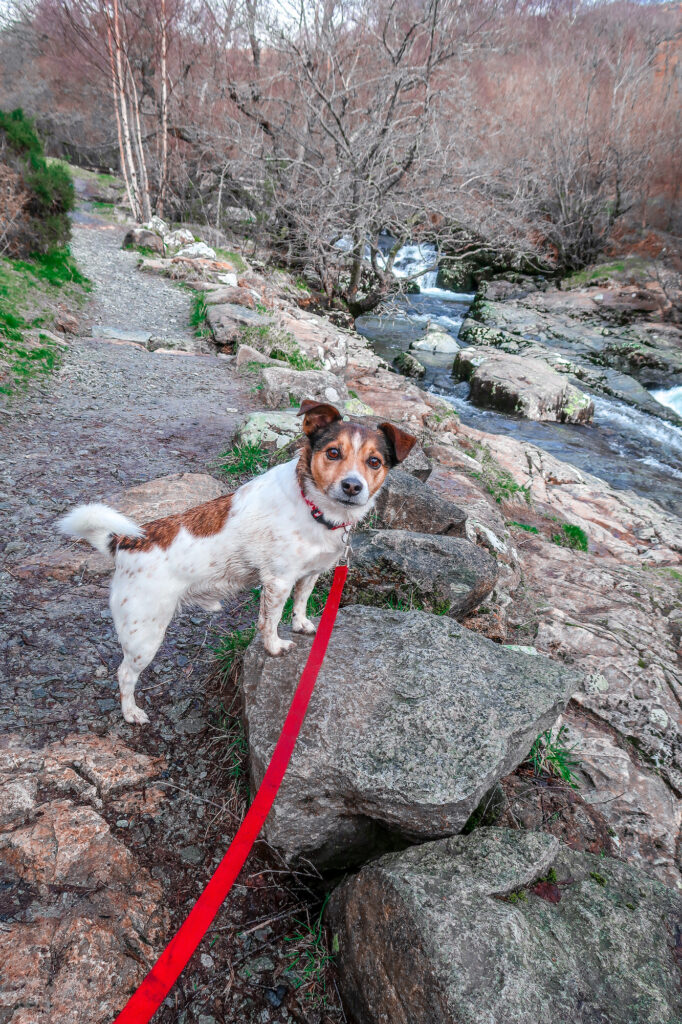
672	398
413	258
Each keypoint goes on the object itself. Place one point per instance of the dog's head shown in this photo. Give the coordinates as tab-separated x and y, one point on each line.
347	462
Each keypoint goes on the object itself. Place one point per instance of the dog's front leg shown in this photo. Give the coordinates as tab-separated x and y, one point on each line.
300	622
274	593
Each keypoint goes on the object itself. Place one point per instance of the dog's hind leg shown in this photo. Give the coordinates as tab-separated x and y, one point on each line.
140	639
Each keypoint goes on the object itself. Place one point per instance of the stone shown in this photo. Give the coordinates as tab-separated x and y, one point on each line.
142	238
270	429
317	338
412	720
405	502
445	575
238	296
436	340
196	251
67	323
227	320
159	226
409	366
175	240
247	355
521	385
128	334
289	386
506	926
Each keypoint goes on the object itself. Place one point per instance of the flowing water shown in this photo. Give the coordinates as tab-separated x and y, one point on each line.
628	448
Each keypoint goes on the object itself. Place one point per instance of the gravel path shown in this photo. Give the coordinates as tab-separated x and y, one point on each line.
113	416
116	415
125	299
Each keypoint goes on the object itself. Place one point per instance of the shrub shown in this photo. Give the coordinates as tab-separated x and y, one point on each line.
46	189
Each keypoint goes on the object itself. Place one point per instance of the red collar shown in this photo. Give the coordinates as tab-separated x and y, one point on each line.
319	516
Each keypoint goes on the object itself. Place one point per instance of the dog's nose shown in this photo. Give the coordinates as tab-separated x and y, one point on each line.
351	486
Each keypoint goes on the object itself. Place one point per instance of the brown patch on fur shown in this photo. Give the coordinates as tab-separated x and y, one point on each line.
202	521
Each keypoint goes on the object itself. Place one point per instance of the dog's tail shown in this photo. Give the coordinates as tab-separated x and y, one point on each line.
97	524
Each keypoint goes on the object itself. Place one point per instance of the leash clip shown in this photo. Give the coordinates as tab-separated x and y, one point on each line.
345	537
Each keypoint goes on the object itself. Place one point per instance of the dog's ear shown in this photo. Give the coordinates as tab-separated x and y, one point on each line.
400	444
317	415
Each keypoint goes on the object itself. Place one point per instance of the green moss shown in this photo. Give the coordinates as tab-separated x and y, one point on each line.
599	879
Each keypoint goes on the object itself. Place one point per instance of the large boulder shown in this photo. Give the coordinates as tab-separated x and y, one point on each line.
413	719
405	502
527	387
445	575
227	320
287	386
143	238
506	927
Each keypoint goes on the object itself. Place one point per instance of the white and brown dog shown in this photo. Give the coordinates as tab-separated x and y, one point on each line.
279	530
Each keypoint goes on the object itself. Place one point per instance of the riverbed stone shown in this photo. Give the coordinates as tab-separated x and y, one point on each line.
506	927
446	575
412	720
435	340
409	365
227	320
406	502
521	385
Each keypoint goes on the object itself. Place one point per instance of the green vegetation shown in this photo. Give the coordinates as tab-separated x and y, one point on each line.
198	315
246	458
549	755
520	896
599	879
43	223
33	285
106	209
278	345
523	526
232	646
571	537
234	748
309	958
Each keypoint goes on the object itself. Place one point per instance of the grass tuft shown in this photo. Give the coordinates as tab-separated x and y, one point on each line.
242	459
571	537
309	959
549	755
524	526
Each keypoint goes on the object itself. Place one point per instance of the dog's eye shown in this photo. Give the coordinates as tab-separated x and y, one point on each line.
374	462
333	453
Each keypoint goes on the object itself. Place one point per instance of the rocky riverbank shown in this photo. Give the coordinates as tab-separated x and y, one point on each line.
497	594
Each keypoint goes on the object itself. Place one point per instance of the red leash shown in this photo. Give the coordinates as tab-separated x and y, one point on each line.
144	1003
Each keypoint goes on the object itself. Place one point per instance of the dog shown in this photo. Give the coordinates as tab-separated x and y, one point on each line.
279	530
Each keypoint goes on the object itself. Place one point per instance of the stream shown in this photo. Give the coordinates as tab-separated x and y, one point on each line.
625	447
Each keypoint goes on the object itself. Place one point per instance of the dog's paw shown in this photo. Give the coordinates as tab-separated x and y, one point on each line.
135	715
303	626
279	647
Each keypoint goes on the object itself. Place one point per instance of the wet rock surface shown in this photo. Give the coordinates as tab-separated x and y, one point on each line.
521	385
506	926
412	720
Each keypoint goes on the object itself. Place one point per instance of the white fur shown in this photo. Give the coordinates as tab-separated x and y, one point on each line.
97	524
269	538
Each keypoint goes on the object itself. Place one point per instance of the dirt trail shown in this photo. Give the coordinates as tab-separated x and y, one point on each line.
113	416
